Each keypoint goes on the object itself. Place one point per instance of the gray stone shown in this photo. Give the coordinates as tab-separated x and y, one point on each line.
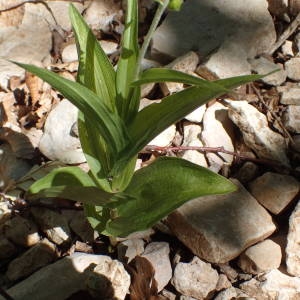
218	228
292	67
109	280
57	142
158	255
195	279
217	132
274	191
287	48
262	257
262	65
7	249
66	277
247	172
33	259
273	285
101	13
129	249
192	134
290	96
256	132
196	116
223	283
291	118
21	231
165	138
205	25
53	224
293	243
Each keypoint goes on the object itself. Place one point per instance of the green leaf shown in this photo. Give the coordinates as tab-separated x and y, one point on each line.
169	75
127	102
109	124
233	82
95	70
69	183
160	188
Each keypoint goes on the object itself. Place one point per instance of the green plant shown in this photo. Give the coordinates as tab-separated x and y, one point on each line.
117	200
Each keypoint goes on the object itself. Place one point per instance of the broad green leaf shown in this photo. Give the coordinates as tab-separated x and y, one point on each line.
233	82
156	117
70	183
97	216
109	124
160	188
169	75
95	70
126	71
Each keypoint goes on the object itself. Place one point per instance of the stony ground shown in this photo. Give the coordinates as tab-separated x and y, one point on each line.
244	245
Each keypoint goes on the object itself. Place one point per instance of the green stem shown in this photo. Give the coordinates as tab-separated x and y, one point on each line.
162	5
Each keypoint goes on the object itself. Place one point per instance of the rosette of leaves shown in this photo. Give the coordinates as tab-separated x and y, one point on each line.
118	201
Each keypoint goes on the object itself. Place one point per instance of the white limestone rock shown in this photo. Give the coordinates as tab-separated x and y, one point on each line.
58	142
129	249
108	279
291	118
165	138
274	191
219	228
292	67
158	255
273	285
205	25
293	243
262	65
262	257
287	48
192	135
290	96
196	116
256	132
217	132
195	279
66	276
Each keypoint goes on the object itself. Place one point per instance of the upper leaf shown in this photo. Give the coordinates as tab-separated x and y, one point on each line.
159	189
127	100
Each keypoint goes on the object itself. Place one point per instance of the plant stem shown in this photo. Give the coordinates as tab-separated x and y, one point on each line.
162	5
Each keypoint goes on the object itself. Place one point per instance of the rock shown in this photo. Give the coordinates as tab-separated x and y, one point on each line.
256	133
290	96
247	172
262	65
218	228
287	48
232	293
158	254
101	13
293	243
230	272
168	295
262	257
273	285
296	145
21	231
192	138
223	283
129	249
274	191
291	118
57	142
195	279
217	132
228	61
33	259
80	225
7	249
53	224
66	276
196	116
216	21
278	7
165	138
5	212
292	67
109	280
186	63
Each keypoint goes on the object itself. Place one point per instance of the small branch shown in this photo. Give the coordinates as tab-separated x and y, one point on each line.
159	12
239	156
286	34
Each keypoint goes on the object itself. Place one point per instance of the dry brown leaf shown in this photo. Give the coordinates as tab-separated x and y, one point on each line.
34	85
143	285
8	112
